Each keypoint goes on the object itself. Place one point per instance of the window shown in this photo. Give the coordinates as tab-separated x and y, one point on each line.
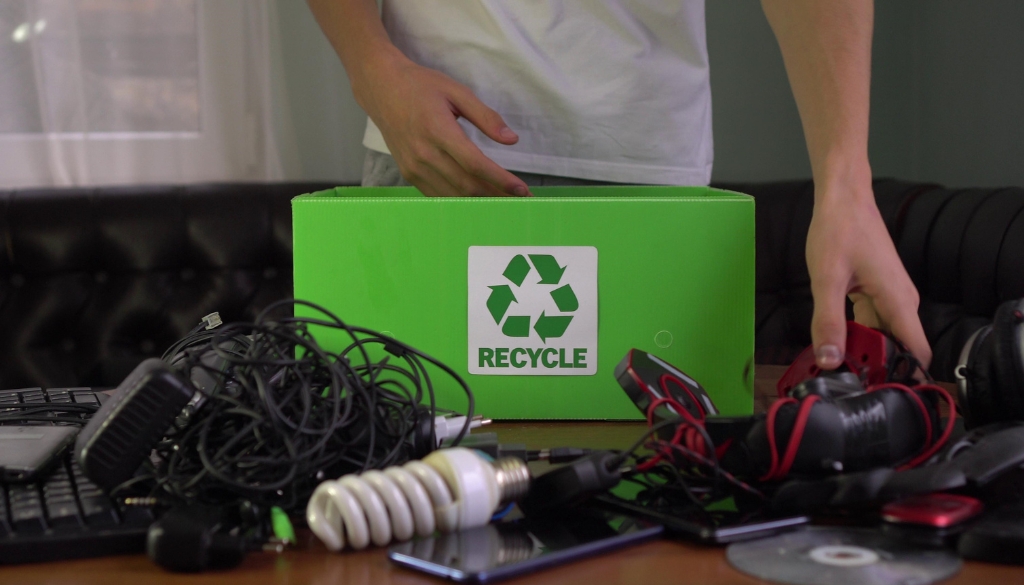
116	91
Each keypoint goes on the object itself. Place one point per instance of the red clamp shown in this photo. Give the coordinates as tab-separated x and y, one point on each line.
870	354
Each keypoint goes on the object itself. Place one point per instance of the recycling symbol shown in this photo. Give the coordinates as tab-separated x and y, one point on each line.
502	296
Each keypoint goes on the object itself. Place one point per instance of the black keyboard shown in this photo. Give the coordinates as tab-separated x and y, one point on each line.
64	515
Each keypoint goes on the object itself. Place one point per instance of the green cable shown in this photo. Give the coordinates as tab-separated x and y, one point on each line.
283	529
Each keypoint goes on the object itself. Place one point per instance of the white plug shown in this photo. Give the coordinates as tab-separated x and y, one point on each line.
446	427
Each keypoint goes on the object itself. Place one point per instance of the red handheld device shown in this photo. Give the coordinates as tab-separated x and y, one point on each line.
932	510
870	353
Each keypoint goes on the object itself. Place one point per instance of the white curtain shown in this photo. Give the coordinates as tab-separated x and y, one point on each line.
99	92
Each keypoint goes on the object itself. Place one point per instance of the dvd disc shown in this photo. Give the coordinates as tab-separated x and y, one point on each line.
841	556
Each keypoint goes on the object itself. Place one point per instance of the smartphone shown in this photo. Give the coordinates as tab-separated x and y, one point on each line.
710	525
512	548
27	452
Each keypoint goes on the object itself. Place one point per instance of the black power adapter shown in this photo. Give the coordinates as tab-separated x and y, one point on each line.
112	447
573	483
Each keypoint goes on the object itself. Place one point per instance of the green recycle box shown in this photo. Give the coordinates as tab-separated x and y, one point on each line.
534	301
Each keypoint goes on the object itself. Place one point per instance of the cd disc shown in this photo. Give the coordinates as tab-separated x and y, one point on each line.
841	556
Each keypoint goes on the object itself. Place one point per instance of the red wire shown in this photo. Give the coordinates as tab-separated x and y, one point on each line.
723	448
779	470
728	476
796	435
671	402
770	423
951	422
664	388
694	440
658	457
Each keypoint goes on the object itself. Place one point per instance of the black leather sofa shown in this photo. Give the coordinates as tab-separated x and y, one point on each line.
92	281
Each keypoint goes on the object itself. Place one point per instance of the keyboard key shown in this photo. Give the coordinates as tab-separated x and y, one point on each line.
32	396
97	508
59	497
26	509
84	397
5	521
9	397
58	395
98	511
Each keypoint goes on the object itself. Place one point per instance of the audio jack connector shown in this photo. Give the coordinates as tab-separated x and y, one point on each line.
448	490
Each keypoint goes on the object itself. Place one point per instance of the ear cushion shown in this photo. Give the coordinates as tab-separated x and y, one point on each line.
1007	358
980	409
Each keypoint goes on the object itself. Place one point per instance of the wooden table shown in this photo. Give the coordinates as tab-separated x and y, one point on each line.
653	563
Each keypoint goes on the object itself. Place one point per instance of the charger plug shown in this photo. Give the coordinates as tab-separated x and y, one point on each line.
573	483
488	443
190	538
446	427
433	432
558	454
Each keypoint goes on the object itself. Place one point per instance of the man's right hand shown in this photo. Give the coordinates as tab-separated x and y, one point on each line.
416	109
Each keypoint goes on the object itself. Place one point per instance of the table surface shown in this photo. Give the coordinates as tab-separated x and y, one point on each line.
663	561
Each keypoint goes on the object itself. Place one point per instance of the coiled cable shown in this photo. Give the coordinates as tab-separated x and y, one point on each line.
450	489
275	411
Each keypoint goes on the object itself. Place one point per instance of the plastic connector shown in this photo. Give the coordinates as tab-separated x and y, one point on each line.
558	454
212	321
446	427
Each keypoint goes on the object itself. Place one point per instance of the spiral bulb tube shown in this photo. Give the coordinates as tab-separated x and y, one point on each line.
450	489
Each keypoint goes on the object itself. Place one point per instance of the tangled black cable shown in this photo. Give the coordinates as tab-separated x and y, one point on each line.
275	412
677	477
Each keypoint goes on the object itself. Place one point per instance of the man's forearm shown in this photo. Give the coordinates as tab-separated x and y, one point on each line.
355	30
826	46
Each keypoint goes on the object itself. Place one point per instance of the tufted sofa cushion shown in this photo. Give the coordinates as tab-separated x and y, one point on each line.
92	281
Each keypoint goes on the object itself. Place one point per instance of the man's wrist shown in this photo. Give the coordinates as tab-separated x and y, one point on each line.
843	180
366	71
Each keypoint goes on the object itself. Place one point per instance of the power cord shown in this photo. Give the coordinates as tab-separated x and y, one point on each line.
275	412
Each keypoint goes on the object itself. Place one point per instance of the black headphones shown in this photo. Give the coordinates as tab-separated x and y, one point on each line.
990	372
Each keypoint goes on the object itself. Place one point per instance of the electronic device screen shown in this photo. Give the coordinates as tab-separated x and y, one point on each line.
26	452
507	549
717	524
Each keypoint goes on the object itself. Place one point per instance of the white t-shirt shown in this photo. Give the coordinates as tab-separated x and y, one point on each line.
608	90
